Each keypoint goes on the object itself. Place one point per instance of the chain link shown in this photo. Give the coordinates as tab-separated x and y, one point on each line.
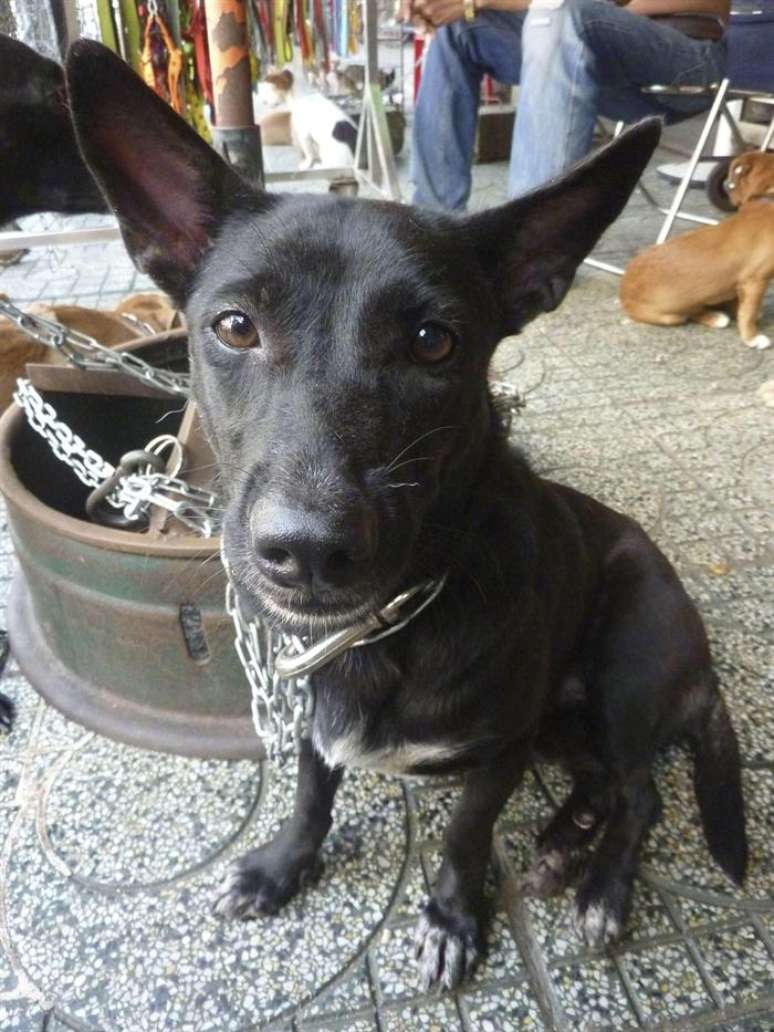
134	493
90	468
87	353
282	708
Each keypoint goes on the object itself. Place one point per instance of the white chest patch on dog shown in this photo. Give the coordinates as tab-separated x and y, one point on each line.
349	751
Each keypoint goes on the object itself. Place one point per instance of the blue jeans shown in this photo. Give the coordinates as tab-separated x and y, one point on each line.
574	60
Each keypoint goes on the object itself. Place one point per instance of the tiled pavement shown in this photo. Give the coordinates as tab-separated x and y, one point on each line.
109	855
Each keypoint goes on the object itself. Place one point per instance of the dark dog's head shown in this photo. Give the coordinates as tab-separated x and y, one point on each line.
41	168
339	347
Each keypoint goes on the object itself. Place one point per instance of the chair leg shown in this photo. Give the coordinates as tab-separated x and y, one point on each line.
682	189
734	127
595	263
769	134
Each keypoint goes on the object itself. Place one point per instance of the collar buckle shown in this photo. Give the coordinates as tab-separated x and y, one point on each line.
292	663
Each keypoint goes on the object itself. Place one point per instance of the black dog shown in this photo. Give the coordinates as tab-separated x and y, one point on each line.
340	352
41	168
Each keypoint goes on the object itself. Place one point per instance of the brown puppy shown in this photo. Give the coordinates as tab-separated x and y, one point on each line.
686	278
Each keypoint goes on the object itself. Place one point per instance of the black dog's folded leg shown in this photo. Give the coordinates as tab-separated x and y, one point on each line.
263	880
562	843
603	899
449	936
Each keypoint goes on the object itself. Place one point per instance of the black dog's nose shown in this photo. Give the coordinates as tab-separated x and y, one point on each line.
297	548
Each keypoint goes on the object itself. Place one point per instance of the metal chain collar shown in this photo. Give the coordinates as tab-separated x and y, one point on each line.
278	665
87	353
134	492
282	707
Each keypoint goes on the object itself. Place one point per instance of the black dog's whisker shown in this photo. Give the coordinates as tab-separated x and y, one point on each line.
391	465
406	462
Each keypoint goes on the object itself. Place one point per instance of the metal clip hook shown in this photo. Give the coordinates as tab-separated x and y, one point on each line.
130	463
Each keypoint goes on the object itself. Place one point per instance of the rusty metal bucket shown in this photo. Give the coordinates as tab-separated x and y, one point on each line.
125	634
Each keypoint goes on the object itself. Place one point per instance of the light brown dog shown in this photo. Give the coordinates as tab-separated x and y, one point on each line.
685	279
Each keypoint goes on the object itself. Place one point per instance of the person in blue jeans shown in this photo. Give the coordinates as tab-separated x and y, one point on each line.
574	60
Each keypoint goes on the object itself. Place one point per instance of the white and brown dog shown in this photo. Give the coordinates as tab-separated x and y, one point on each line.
319	128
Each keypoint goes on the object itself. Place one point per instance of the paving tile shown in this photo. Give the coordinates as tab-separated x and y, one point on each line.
527	805
107	955
592	995
740	966
415	891
501	960
395	970
21	1017
666	983
434	806
503	1009
106	795
350	1023
345	996
759	1024
441	1016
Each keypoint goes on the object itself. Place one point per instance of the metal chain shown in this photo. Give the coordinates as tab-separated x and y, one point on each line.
282	708
508	395
134	493
87	353
90	468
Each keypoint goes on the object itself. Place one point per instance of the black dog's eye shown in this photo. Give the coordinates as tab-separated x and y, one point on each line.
236	330
432	343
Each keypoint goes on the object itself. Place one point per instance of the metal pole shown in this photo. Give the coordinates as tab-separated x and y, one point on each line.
682	190
235	134
374	158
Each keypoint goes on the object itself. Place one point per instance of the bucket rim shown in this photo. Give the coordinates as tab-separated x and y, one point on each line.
19	497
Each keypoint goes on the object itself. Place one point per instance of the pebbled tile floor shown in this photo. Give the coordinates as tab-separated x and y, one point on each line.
109	855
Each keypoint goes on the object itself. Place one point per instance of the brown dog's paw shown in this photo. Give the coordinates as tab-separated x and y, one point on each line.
249	890
447	947
759	342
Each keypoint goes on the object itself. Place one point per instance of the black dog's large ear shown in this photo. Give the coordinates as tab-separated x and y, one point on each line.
167	187
531	247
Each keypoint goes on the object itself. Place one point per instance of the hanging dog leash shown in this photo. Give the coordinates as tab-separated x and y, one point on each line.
283	42
302	31
174	61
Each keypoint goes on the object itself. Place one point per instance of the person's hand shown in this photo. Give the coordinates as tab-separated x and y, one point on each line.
405	11
438	12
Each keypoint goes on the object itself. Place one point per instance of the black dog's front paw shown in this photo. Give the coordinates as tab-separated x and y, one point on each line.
6	713
448	946
256	885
